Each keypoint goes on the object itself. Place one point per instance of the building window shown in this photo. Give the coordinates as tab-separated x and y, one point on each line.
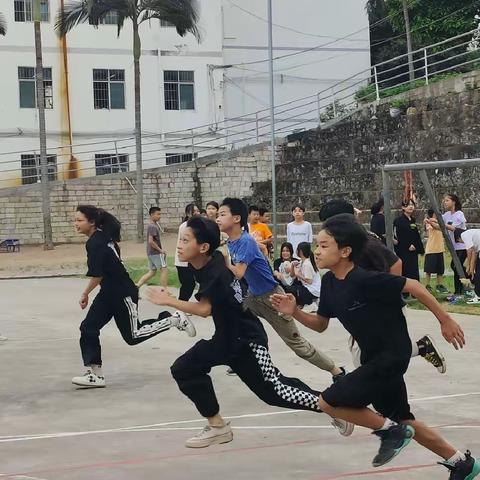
106	163
32	171
178	87
23	10
108	89
172	158
165	24
111	18
27	87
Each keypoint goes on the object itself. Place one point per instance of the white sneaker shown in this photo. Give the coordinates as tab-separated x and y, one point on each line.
474	300
89	380
183	323
3	339
344	428
211	436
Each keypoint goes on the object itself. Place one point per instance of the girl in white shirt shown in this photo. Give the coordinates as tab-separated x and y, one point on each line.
306	271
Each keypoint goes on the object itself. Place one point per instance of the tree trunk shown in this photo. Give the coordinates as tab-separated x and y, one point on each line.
47	222
411	71
138	130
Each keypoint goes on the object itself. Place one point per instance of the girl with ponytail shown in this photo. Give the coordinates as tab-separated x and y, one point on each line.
117	298
307	287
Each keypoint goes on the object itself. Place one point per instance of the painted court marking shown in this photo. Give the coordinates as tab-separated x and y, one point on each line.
156	426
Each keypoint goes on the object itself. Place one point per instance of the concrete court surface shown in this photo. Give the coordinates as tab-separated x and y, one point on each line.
135	428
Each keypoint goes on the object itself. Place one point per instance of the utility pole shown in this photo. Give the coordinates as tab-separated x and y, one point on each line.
46	210
411	72
272	125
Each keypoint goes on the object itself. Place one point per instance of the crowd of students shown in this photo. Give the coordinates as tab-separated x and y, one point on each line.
362	288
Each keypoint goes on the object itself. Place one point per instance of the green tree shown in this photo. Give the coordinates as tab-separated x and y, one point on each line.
183	14
3	25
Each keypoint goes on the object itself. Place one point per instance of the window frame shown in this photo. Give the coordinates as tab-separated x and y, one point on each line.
184	157
47	86
27	11
108	81
35	169
115	163
178	83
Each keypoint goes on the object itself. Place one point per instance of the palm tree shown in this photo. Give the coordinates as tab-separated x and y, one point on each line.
183	14
3	25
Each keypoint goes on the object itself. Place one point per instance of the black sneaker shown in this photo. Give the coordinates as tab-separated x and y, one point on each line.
442	289
393	441
338	376
428	350
466	469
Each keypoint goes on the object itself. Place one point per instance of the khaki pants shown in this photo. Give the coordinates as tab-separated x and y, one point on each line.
285	326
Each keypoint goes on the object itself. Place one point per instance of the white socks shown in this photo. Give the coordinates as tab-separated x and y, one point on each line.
97	370
459	456
388	423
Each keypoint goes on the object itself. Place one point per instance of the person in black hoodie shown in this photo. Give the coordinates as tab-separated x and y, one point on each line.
118	296
239	341
377	222
409	243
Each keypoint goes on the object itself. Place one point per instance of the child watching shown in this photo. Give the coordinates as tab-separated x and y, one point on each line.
212	210
434	264
471	239
307	289
282	267
157	257
299	230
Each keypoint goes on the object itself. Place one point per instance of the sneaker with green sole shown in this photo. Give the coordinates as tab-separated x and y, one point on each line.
392	441
466	469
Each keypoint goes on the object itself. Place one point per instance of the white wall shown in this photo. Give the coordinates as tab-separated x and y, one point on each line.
246	40
89	48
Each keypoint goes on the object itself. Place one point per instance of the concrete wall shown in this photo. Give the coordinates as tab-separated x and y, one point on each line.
171	188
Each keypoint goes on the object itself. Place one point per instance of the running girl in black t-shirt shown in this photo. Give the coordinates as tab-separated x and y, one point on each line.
118	296
239	342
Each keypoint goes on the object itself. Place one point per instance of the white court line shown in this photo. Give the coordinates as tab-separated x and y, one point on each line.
20	477
20	438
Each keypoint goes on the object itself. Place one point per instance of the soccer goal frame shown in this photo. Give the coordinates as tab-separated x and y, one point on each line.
422	168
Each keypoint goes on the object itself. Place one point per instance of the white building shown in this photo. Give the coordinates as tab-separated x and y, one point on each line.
184	83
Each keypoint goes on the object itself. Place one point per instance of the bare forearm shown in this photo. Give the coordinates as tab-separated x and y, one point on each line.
92	285
311	320
154	245
237	270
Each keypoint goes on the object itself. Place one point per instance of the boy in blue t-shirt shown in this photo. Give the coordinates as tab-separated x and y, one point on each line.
247	262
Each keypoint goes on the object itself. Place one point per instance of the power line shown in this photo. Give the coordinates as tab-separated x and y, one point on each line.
284	27
310	49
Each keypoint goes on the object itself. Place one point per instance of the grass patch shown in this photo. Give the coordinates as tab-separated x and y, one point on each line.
137	267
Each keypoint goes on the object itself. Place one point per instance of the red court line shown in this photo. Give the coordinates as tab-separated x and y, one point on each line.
382	471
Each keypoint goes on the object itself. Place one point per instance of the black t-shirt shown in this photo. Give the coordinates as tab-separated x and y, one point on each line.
377	226
234	326
369	306
103	260
376	256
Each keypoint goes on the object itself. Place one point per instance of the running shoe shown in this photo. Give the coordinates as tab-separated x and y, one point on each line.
429	351
89	380
466	469
345	429
183	323
3	339
211	436
474	301
392	442
441	289
337	377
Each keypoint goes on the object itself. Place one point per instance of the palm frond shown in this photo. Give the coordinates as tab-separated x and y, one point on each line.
3	25
183	14
93	12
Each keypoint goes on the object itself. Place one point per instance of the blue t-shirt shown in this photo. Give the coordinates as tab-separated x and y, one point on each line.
258	274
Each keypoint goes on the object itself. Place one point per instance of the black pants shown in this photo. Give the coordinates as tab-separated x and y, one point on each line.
462	255
125	313
187	283
410	265
301	293
476	277
252	364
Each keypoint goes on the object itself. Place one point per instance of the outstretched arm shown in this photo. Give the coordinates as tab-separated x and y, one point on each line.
451	330
161	296
287	304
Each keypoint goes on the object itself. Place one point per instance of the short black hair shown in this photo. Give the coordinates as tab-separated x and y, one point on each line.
347	232
205	231
202	211
301	207
212	204
288	246
262	211
335	207
377	206
152	210
237	207
457	235
430	212
253	208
